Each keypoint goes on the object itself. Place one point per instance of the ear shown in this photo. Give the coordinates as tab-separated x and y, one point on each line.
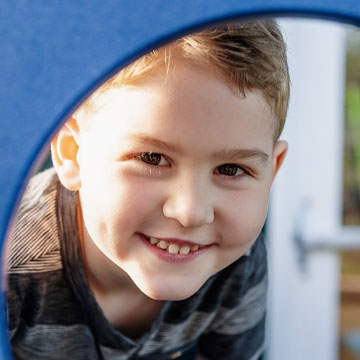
64	150
279	152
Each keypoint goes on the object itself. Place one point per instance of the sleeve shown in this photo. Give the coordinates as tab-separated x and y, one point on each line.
14	304
238	330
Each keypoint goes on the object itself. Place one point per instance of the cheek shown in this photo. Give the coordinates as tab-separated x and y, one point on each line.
245	217
116	202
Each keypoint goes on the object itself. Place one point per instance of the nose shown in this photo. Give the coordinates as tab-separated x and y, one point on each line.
190	202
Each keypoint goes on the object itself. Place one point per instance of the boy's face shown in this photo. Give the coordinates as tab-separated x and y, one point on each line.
183	159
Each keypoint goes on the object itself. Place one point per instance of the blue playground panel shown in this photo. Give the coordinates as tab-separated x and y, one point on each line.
53	55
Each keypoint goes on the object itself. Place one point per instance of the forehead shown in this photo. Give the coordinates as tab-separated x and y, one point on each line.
190	98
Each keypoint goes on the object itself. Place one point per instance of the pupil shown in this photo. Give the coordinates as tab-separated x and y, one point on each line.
228	169
152	158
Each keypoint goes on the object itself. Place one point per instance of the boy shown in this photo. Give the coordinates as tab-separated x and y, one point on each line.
145	241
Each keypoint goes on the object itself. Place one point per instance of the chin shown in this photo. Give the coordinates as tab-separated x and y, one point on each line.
172	293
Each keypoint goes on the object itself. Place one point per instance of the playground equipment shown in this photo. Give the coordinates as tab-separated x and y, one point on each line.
52	55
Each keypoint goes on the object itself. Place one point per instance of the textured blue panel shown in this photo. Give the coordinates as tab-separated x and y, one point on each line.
52	55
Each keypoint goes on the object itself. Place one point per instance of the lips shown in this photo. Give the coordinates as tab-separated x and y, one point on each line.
174	247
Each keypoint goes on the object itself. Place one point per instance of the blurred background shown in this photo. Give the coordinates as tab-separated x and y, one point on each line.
313	230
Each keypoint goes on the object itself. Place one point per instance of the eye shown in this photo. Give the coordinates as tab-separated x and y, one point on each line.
230	170
153	159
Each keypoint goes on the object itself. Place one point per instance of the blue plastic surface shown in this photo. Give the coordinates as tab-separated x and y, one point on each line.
53	53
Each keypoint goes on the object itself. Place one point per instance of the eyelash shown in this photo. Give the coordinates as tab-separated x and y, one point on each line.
160	157
153	154
232	167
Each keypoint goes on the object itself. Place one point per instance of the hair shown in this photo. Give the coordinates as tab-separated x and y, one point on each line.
249	55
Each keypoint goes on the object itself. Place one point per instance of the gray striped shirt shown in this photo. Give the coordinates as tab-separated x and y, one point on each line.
53	314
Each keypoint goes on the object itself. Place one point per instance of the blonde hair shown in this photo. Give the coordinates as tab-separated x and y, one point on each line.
249	55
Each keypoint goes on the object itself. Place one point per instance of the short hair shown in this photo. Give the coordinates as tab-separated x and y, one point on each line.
250	55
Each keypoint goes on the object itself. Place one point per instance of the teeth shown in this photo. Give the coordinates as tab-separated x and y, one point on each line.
154	241
184	250
173	248
163	244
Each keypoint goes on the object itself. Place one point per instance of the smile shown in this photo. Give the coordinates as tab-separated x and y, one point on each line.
173	248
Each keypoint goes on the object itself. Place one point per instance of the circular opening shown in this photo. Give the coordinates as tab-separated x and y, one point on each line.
296	106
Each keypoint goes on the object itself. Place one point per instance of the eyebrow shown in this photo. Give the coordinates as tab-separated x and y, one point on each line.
242	154
148	140
228	154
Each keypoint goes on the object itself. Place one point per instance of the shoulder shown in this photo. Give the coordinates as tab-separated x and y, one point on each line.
33	243
242	292
238	327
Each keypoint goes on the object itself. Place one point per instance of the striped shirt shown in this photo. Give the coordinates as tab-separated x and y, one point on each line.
53	314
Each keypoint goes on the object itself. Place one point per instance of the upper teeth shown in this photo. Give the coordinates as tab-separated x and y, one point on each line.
173	248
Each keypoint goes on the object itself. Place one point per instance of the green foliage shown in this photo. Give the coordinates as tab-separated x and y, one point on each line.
352	131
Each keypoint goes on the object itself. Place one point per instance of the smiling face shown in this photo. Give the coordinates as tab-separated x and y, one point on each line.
174	178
